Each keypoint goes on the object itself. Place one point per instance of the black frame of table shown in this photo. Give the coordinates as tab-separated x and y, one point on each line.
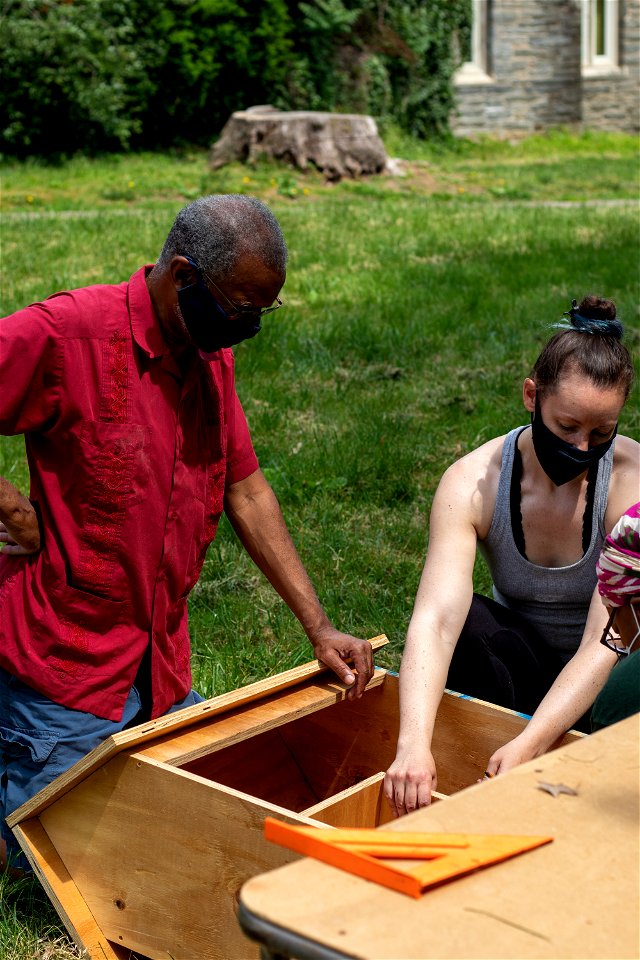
276	943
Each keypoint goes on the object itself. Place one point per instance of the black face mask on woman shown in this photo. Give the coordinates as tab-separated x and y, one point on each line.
561	461
207	323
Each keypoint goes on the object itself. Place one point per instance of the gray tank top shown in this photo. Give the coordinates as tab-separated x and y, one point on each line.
555	600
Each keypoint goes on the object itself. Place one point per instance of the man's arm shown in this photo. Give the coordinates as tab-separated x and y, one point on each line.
255	515
19	529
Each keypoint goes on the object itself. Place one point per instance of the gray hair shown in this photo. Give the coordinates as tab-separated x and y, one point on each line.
219	229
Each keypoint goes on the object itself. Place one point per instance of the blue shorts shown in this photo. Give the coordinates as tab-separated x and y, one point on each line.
40	739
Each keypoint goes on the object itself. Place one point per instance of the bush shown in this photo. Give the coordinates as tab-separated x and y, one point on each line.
394	60
68	73
219	56
92	75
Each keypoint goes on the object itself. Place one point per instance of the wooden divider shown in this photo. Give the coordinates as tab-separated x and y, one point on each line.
363	805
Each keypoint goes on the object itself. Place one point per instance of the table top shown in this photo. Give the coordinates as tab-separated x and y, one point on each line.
576	897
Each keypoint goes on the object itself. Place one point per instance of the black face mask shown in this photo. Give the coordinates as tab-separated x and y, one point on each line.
207	323
560	460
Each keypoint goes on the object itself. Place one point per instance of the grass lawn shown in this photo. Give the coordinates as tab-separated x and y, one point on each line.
415	305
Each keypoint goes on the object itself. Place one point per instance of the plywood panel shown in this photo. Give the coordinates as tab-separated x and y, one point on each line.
261	766
184	746
361	806
467	732
286	765
364	805
159	856
341	747
64	894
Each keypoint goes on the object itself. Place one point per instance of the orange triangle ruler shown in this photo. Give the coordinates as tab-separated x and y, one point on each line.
443	856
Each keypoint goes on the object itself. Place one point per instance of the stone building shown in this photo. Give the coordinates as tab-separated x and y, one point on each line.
534	64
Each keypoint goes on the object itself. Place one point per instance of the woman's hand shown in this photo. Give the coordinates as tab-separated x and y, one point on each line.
512	754
409	781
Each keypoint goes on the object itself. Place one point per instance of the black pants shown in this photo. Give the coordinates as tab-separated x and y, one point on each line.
501	658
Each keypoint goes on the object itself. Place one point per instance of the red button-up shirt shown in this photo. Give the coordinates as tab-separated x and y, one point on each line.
129	458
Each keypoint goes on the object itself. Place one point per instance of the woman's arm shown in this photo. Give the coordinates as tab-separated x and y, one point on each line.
441	607
624	487
570	696
579	683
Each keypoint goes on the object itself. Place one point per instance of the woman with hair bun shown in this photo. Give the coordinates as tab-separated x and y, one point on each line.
538	504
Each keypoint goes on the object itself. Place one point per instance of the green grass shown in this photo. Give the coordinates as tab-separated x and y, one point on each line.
555	167
415	306
29	926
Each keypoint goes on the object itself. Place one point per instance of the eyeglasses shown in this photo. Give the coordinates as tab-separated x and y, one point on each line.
608	637
243	312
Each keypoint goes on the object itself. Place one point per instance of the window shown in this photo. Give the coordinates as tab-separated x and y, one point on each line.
475	47
599	36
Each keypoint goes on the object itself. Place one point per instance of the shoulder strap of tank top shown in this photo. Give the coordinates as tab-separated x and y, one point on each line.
600	495
587	517
515	510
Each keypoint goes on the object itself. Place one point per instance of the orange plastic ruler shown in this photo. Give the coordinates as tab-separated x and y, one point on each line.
443	856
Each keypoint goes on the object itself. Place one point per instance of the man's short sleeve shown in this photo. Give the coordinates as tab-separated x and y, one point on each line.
30	369
241	458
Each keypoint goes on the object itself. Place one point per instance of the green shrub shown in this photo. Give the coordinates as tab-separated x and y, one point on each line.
219	56
96	75
68	73
393	60
422	86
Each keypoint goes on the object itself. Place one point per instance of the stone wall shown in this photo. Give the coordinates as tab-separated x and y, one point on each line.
611	101
534	77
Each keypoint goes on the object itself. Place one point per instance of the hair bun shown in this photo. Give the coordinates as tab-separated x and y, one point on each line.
595	316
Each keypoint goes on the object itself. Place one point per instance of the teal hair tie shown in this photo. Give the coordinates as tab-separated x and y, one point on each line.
592	325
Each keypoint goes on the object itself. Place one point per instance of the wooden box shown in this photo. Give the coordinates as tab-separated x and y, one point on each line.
144	844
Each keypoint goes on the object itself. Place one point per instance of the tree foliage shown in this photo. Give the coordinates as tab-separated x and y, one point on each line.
120	74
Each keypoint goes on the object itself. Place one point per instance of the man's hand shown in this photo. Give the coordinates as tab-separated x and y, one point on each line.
334	648
20	532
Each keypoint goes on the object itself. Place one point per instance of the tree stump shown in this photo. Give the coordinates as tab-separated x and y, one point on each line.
338	144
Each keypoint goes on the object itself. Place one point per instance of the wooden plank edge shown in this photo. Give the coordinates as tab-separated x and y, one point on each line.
337	798
64	894
574	734
254	803
159	727
329	694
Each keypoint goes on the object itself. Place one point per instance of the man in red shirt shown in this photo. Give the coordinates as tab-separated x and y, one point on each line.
136	442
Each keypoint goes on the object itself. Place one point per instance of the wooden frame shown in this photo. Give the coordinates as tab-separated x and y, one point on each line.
144	845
